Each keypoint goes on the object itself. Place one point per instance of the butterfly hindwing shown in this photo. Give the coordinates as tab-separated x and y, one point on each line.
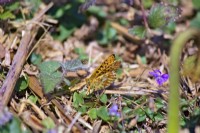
103	75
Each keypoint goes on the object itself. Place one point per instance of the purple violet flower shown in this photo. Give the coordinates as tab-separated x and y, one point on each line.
5	115
113	110
5	1
159	77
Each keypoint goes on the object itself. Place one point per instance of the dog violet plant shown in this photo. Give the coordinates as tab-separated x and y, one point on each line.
159	77
113	110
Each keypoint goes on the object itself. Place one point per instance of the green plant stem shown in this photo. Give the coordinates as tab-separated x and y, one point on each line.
174	96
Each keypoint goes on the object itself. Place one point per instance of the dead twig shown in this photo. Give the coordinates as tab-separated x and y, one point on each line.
19	59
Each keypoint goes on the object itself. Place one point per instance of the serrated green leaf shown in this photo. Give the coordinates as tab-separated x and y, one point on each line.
104	98
49	66
102	112
139	31
92	113
48	123
50	80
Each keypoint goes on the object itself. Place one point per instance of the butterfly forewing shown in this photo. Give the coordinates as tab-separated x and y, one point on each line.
103	75
104	66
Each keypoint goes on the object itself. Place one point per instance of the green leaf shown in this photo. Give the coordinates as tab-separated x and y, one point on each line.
158	117
49	66
141	118
77	100
196	4
81	53
65	32
147	3
196	21
50	80
170	28
107	35
67	82
144	60
36	59
97	11
150	113
82	109
141	115
124	22
7	15
126	110
13	6
48	123
15	125
139	31
49	75
104	98
22	84
34	5
92	113
33	98
102	112
159	103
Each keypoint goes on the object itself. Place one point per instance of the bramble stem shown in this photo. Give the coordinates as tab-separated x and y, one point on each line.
174	96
